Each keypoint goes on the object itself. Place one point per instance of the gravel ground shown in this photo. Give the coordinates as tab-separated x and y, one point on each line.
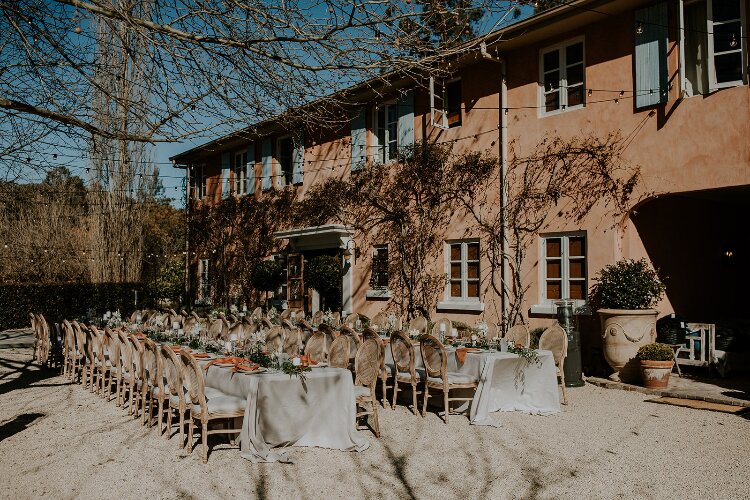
58	440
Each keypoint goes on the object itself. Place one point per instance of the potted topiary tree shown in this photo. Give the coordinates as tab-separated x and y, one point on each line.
656	362
267	276
323	274
624	296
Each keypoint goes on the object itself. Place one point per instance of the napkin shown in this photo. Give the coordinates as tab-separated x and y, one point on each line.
461	354
201	355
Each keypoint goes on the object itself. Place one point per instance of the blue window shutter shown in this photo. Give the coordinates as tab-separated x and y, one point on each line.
267	163
651	71
226	159
298	158
250	169
406	120
359	139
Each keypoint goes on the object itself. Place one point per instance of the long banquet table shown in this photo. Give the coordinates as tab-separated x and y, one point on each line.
507	382
285	411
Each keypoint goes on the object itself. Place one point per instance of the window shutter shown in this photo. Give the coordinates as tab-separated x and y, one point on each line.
226	159
406	120
359	140
267	164
250	169
651	72
298	158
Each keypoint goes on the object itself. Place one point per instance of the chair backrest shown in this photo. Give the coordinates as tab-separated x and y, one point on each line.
89	348
275	339
171	372
101	346
257	313
80	337
317	347
419	323
520	335
351	319
346	331
317	318
555	339
434	356
446	326
151	362
216	329
379	321
266	322
336	319
126	352
402	351
285	314
134	316
113	345
237	332
136	349
367	364
69	341
193	381
339	354
32	318
292	341
307	330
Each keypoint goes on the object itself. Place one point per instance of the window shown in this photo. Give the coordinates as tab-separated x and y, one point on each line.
445	101
285	158
562	77
379	275
713	41
204	288
464	271
386	132
240	179
198	182
564	267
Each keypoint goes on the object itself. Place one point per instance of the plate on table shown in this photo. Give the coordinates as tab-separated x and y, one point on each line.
248	371
319	365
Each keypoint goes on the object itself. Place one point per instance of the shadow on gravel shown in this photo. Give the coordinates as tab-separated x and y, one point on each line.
18	424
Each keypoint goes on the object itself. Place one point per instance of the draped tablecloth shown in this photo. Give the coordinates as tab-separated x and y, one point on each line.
506	382
285	411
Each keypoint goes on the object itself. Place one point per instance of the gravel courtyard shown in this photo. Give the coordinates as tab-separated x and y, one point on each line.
58	440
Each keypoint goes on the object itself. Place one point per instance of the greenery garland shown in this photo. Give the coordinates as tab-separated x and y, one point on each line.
530	355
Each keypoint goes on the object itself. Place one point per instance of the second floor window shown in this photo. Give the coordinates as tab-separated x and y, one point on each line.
562	71
379	275
239	170
713	44
463	260
198	182
564	268
386	133
285	157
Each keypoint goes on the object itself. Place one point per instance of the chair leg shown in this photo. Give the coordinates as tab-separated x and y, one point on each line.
424	400
447	405
395	394
169	422
182	428
415	405
191	426
383	381
204	439
375	421
160	417
562	384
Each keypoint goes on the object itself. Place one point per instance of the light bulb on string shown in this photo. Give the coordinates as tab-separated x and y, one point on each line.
733	41
622	93
591	92
639	28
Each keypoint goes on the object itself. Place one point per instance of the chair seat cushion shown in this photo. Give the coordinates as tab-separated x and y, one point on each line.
454	378
360	390
223	403
404	376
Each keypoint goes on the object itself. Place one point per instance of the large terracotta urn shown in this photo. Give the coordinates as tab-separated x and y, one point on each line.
624	331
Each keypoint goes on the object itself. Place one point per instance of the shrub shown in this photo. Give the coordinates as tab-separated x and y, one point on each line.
267	276
655	352
627	284
58	301
323	273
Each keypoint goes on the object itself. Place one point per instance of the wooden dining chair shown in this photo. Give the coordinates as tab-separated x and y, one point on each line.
379	321
340	354
43	340
519	335
137	378
79	360
35	333
102	366
292	338
367	364
419	323
445	324
151	360
171	393
317	318
125	368
275	339
336	319
114	364
386	370
69	345
204	409
435	359
555	339
89	368
316	347
404	360
307	329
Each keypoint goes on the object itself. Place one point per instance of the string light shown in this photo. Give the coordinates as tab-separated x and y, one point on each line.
639	28
733	41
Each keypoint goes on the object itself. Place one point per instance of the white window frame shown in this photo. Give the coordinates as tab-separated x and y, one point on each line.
713	84
204	290
239	181
563	83
277	157
441	112
198	182
546	305
464	302
386	156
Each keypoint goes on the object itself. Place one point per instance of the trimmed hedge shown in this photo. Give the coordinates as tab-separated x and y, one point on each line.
65	301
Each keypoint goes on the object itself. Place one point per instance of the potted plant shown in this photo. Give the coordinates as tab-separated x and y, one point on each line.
656	361
267	276
323	274
624	295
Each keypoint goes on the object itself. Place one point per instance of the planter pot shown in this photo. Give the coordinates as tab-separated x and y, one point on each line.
655	374
623	333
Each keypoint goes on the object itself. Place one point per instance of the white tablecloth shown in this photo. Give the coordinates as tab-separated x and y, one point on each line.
284	411
507	382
